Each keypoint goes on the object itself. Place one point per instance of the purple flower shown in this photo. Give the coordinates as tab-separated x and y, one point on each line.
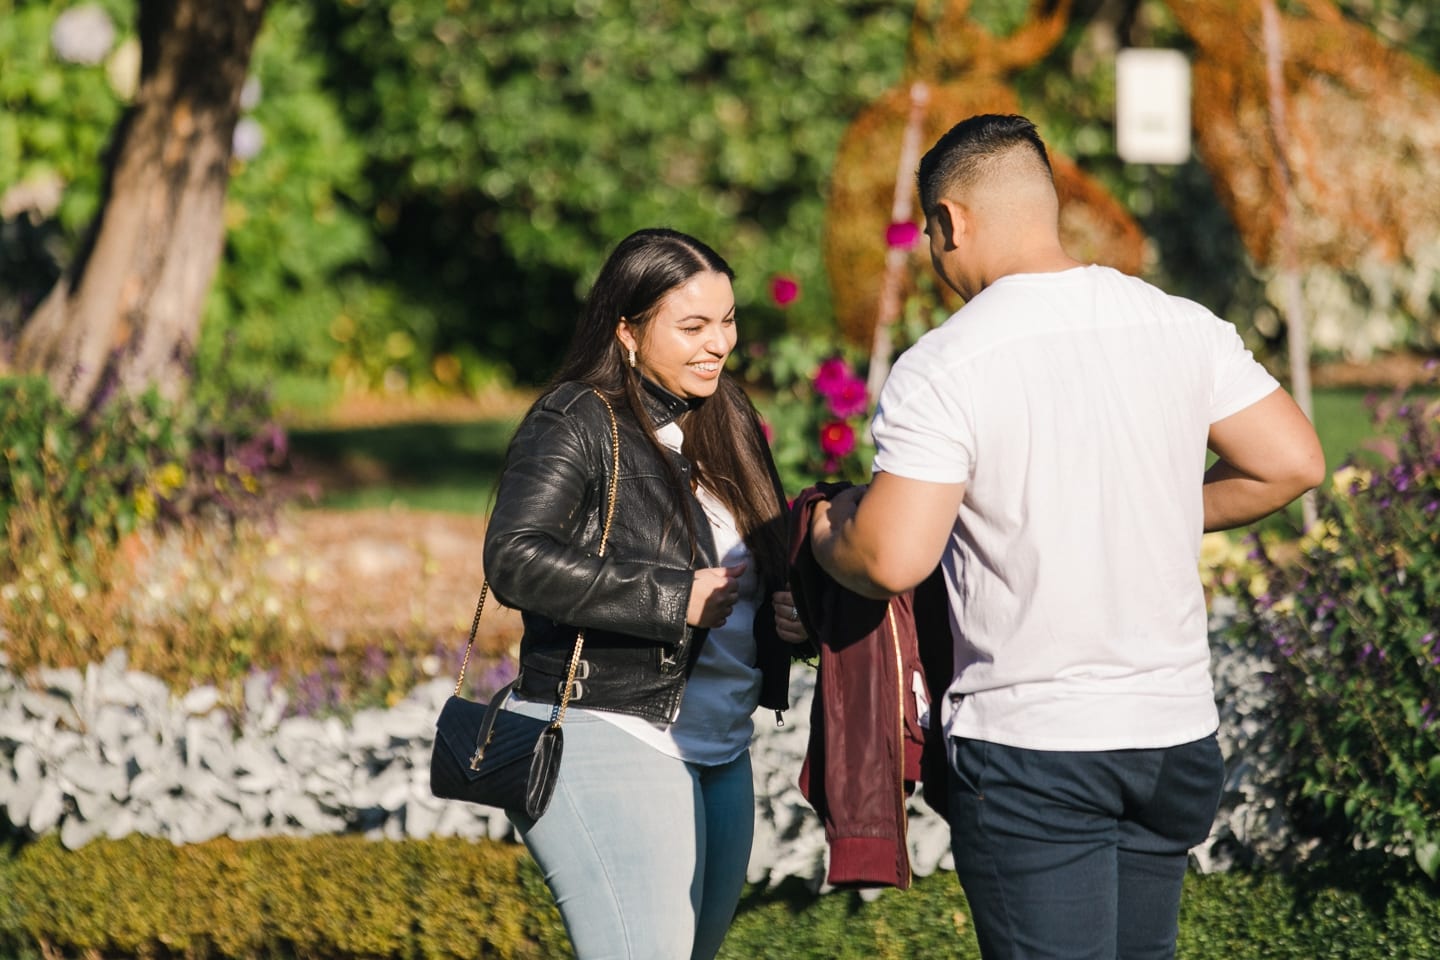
374	664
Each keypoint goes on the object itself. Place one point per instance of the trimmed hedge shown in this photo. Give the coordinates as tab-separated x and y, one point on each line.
347	897
320	897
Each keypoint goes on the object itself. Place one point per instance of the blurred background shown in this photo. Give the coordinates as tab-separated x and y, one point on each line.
277	278
420	191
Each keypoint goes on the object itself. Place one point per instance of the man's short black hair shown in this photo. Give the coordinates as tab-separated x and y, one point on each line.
968	148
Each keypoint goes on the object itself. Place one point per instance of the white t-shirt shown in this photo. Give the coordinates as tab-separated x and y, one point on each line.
714	725
1076	407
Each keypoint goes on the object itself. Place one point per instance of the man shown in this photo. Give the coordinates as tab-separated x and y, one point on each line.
1046	445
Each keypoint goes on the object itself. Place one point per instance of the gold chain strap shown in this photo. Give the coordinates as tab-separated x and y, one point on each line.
557	716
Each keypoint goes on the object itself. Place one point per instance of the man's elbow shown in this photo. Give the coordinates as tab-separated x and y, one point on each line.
892	576
1304	471
1314	475
1309	467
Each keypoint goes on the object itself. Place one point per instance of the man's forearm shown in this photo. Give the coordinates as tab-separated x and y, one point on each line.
839	557
889	541
1233	498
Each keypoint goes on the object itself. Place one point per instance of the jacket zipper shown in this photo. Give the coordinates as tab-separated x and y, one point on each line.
900	740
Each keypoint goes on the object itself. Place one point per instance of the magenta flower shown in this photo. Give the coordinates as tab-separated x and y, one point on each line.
849	397
768	430
901	235
784	291
837	438
831	376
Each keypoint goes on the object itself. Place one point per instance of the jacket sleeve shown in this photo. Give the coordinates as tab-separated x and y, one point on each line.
554	479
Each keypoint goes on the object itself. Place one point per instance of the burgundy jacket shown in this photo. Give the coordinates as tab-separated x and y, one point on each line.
867	747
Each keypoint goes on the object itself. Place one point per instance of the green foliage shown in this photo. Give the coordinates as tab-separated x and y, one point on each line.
303	289
73	487
439	181
812	394
332	897
55	122
1352	909
514	142
345	897
816	433
131	463
1352	627
54	117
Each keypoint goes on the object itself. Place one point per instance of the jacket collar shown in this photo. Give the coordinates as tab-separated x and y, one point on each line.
663	405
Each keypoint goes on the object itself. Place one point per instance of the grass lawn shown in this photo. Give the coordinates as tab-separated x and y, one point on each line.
452	466
448	466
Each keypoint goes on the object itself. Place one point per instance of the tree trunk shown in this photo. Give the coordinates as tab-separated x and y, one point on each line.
126	313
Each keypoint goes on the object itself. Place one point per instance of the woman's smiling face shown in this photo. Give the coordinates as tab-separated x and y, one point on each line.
684	345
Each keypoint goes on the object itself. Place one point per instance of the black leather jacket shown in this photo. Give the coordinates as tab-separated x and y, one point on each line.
541	557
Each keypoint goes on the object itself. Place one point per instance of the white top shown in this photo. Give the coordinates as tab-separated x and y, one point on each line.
1076	407
714	725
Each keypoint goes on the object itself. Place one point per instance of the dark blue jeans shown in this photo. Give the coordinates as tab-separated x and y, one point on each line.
1078	856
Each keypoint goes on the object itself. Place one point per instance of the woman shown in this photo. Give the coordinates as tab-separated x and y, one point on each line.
647	838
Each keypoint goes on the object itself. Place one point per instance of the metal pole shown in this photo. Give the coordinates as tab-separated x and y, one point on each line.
882	344
1296	323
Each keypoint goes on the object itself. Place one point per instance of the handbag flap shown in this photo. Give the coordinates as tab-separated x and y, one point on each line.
512	738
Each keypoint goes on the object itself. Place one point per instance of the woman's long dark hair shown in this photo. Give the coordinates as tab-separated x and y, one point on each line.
723	439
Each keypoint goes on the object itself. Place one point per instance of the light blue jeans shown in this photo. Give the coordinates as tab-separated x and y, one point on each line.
645	854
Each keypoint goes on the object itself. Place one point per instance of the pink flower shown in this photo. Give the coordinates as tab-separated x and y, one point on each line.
768	430
901	235
784	290
849	397
837	438
831	375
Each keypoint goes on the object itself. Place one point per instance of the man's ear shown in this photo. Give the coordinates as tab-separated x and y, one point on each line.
950	218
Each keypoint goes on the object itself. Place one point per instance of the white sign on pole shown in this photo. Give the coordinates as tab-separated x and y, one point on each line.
1152	106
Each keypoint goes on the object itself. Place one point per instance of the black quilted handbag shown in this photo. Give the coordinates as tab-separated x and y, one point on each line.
489	755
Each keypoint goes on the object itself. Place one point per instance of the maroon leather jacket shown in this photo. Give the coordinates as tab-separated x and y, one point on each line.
867	747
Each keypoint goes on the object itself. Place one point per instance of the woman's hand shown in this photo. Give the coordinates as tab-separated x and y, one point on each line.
787	618
713	596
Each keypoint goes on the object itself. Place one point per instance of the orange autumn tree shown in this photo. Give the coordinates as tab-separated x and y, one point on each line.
1363	122
965	70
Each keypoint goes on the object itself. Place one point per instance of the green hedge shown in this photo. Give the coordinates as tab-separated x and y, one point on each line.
346	897
319	897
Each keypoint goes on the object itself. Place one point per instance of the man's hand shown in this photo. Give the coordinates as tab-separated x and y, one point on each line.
828	515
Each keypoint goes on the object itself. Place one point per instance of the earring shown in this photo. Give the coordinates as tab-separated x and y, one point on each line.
632	356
